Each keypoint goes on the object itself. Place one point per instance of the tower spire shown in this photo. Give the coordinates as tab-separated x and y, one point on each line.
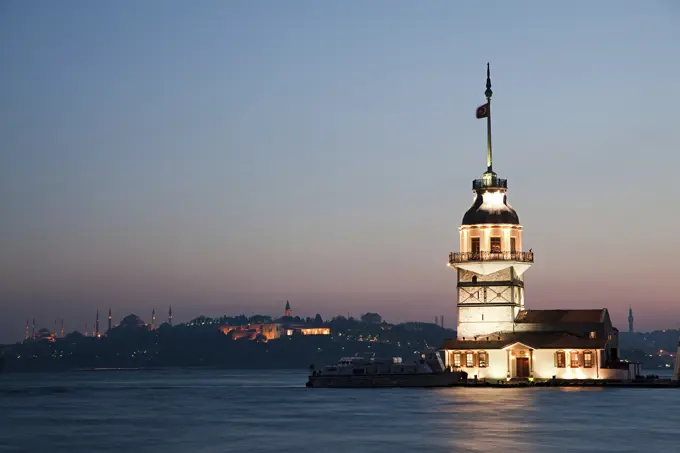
488	93
109	319
170	315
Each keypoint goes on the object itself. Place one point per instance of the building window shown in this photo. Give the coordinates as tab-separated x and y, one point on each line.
573	359
513	245
593	335
474	245
483	359
560	358
609	337
474	279
495	245
470	359
456	359
587	359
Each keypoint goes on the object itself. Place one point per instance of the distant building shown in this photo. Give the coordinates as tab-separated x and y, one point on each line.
45	335
371	318
314	330
270	331
132	321
288	312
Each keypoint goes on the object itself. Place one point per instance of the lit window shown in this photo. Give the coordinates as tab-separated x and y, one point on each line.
609	338
474	245
573	359
593	335
470	359
483	359
495	245
456	359
560	359
587	359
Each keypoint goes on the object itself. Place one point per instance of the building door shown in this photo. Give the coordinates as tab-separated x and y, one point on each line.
522	367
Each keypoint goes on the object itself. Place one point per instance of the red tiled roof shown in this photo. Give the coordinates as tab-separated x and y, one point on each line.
536	340
562	316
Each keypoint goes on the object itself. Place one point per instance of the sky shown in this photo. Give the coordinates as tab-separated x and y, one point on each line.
224	157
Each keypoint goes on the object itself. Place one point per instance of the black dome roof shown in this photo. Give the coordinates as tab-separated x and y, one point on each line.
486	213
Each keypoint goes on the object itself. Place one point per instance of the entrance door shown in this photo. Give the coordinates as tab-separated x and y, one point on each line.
522	367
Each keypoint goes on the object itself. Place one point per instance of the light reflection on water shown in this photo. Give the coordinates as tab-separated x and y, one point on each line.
271	411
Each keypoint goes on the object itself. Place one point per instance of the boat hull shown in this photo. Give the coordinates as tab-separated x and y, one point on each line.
387	380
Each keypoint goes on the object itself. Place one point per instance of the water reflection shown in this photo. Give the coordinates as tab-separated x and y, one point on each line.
485	419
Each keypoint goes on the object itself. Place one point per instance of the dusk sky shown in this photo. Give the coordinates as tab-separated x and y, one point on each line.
225	156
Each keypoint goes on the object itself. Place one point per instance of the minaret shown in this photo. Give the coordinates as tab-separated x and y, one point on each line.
26	334
33	330
87	334
109	319
153	319
62	327
491	264
96	325
288	311
170	315
676	372
630	320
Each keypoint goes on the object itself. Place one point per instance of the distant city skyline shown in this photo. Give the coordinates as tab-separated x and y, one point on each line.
225	157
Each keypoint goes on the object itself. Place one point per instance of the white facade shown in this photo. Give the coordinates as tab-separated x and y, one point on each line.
521	361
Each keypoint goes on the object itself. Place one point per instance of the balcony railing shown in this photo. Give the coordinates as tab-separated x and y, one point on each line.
527	257
490	182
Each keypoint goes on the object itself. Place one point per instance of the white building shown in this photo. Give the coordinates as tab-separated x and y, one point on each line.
498	337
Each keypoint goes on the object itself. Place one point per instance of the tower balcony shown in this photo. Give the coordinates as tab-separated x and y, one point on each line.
489	181
525	257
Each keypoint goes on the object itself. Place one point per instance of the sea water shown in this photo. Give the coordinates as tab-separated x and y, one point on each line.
203	410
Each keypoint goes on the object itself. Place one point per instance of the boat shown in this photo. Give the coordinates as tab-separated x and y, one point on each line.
367	371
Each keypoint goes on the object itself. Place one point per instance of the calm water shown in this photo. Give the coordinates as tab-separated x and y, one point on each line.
223	411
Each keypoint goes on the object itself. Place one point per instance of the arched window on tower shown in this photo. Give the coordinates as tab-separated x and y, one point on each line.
474	279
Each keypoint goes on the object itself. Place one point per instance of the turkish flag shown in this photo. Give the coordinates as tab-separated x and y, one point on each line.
483	111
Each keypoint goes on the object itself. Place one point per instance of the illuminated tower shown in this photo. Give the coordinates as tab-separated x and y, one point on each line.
630	320
62	327
26	334
33	330
96	325
491	264
153	319
288	311
170	315
109	319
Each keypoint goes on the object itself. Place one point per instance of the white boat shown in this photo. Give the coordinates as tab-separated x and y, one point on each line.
369	371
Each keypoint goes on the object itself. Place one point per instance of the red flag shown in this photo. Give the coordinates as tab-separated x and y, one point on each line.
483	111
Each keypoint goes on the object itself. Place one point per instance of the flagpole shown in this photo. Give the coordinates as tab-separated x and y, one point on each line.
488	94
